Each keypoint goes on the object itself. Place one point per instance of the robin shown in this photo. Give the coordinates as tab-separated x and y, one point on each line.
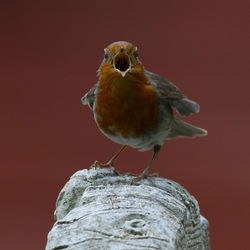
134	107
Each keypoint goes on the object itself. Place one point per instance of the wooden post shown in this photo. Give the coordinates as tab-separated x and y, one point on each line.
97	209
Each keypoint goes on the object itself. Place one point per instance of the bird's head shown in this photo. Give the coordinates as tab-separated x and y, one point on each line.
120	60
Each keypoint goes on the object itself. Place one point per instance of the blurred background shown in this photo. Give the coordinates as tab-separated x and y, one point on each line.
50	51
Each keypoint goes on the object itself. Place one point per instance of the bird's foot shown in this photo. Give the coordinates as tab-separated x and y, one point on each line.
102	165
109	164
144	175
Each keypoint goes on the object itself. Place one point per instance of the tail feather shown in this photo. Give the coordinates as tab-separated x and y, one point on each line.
182	129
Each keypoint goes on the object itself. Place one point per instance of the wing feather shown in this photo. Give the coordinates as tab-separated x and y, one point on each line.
172	95
89	97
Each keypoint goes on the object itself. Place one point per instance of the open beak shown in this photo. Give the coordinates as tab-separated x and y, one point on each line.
122	62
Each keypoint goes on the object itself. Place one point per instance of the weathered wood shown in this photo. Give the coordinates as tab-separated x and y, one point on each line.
97	209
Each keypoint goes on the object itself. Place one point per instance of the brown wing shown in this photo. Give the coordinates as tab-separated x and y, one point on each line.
89	97
172	95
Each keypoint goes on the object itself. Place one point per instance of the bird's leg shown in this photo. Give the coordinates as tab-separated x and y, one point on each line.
146	172
110	163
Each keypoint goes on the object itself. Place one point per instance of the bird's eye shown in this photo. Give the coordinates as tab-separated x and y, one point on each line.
136	54
106	55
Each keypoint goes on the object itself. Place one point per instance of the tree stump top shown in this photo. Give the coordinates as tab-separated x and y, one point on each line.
97	209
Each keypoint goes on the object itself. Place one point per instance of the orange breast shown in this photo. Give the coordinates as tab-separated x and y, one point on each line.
126	106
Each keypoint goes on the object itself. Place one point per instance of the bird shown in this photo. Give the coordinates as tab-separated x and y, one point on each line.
134	107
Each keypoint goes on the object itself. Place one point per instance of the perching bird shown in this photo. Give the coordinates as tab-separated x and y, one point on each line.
134	107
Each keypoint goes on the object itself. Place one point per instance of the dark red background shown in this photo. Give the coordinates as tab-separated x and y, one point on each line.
50	52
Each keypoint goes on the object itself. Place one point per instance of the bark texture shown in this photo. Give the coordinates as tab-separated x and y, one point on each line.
97	209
